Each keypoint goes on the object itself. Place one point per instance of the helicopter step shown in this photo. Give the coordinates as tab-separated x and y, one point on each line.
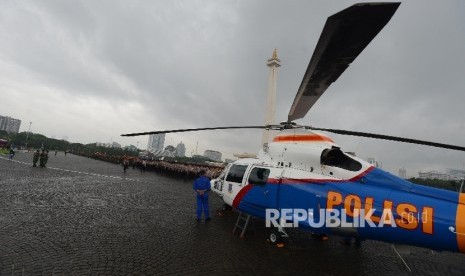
242	222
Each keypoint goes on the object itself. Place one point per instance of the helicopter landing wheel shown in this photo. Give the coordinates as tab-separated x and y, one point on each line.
274	236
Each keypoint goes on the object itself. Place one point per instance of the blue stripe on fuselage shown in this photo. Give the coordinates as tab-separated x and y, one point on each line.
378	185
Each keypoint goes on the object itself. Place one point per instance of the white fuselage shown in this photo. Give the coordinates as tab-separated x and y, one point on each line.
293	155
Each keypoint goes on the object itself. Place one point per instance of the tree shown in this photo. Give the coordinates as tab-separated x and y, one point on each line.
437	183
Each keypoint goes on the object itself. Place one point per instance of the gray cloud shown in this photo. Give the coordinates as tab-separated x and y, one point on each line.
94	70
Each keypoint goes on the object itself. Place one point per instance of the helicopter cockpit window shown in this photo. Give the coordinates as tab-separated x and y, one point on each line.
236	173
259	176
336	158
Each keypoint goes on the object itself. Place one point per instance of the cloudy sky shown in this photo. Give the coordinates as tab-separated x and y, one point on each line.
92	70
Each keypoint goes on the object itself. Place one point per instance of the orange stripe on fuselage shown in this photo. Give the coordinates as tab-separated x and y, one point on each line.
460	223
302	138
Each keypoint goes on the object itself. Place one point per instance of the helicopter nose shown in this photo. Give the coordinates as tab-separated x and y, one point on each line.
460	223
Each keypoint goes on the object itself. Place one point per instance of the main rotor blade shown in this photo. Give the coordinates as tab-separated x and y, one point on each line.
193	129
387	137
344	37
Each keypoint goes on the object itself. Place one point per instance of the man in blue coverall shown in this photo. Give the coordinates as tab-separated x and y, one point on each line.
202	187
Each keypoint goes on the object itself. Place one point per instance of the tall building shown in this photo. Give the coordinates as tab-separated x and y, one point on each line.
403	173
273	63
181	150
156	143
434	175
9	124
213	155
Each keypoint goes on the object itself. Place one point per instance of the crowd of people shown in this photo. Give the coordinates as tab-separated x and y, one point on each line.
186	171
172	169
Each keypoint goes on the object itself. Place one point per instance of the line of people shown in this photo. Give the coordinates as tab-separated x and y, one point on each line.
184	171
178	170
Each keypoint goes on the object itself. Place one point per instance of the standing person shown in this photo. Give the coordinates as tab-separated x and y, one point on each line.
144	165
125	163
46	158
42	159
56	151
35	158
202	187
12	153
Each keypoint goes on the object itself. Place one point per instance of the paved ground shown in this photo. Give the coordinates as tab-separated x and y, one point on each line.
85	217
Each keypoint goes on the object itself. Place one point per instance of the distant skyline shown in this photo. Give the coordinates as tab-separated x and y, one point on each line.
92	70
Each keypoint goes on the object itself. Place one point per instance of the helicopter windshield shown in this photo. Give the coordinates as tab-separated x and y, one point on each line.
336	158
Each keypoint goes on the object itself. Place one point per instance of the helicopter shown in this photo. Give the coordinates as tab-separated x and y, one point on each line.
303	179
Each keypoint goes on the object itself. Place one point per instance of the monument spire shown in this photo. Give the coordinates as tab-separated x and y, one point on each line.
274	62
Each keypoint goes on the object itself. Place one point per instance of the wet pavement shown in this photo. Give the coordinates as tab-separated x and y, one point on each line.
81	216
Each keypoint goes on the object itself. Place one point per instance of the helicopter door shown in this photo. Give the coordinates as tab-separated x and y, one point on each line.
233	183
218	183
262	195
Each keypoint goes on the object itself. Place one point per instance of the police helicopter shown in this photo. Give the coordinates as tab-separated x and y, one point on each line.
302	169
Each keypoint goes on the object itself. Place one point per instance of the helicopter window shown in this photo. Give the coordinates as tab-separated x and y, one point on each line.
336	158
259	176
236	173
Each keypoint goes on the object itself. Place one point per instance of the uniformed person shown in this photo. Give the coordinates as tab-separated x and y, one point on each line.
144	165
202	187
42	158
46	158
35	158
125	163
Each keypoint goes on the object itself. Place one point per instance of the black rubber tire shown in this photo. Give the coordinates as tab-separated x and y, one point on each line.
274	236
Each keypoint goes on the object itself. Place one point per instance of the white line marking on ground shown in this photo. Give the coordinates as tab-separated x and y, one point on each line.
66	170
